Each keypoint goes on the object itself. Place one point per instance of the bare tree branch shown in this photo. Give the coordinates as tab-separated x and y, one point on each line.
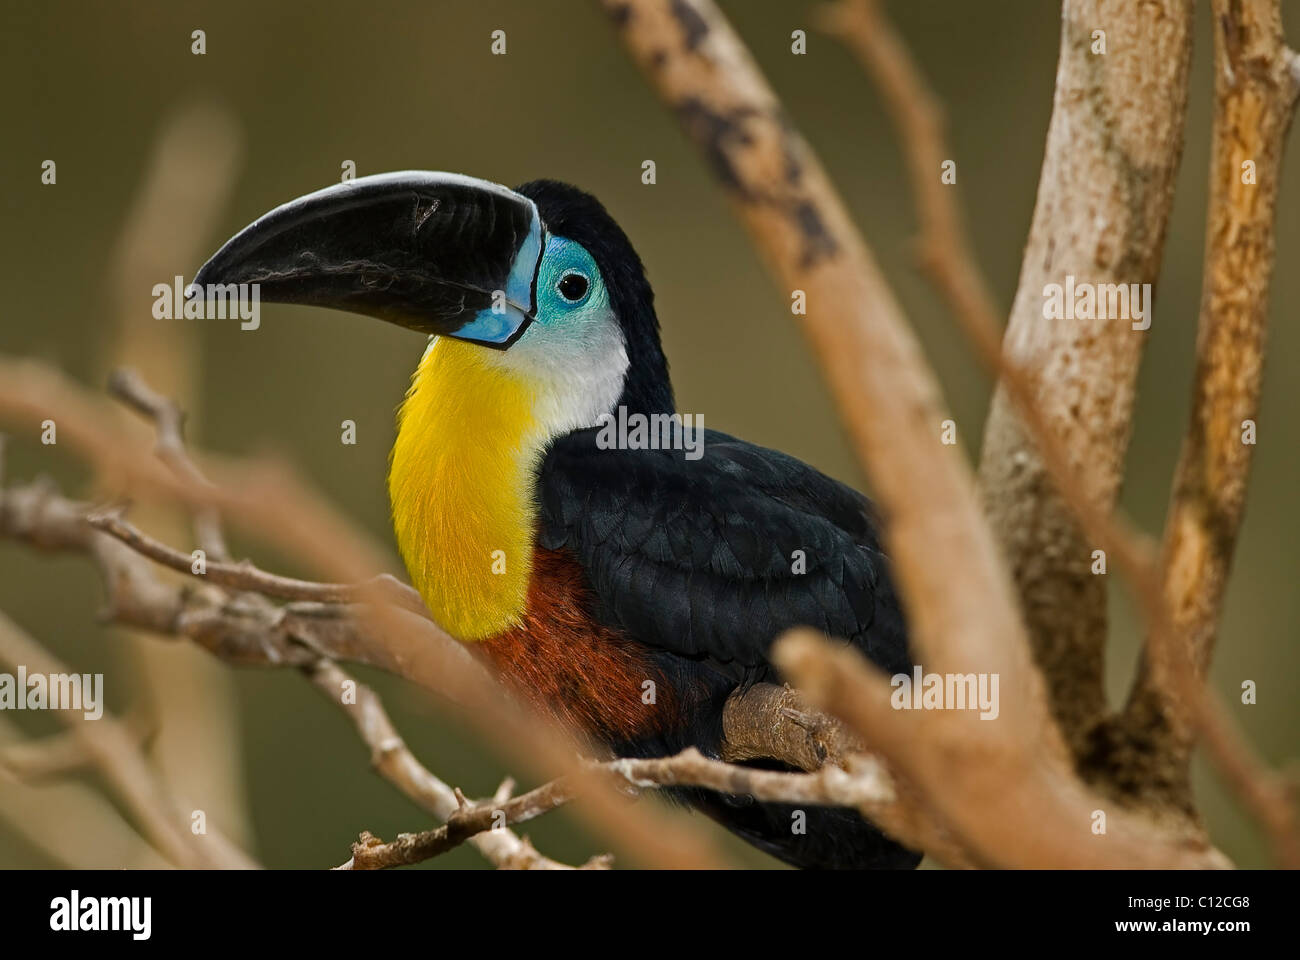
864	786
61	754
246	576
1104	198
1008	802
946	255
390	756
185	188
169	422
472	822
117	756
1112	759
887	398
1256	90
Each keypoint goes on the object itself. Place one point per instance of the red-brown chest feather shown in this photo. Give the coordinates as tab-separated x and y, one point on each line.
561	660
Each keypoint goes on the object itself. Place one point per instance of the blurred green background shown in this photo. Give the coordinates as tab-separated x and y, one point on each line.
413	85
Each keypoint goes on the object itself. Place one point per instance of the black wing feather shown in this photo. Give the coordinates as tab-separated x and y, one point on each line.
695	556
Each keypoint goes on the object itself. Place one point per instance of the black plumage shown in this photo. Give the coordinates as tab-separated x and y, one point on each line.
698	559
702	557
694	558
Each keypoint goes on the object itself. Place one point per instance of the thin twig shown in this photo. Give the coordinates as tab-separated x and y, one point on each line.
169	424
391	757
64	753
865	787
117	756
246	576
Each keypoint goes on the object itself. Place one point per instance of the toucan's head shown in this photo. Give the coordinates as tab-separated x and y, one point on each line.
542	275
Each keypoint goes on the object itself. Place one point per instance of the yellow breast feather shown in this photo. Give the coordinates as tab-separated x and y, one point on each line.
460	484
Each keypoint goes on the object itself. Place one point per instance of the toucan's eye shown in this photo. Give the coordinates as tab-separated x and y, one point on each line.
573	286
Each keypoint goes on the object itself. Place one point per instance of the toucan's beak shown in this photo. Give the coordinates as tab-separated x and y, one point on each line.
436	252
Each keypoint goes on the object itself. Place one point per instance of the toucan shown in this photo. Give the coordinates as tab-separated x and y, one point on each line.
626	588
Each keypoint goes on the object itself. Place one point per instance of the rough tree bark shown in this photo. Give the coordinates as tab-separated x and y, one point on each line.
1104	197
1256	85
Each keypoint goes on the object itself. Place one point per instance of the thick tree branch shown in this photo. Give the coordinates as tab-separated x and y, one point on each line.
1104	198
1256	90
1030	813
946	255
1131	763
887	397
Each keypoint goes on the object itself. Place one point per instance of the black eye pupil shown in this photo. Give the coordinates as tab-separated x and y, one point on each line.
573	286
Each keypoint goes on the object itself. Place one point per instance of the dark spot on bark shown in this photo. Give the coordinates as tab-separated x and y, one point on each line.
818	242
1229	23
719	134
621	14
789	140
723	134
1223	524
694	29
658	59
